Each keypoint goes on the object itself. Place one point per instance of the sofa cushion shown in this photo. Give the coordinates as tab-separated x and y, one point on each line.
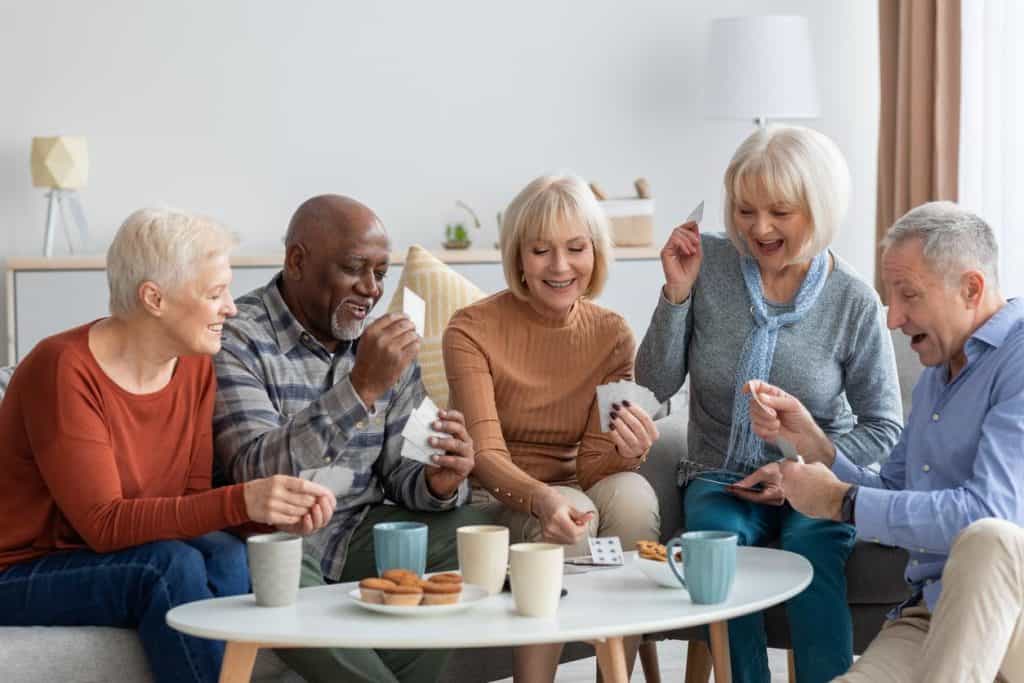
444	292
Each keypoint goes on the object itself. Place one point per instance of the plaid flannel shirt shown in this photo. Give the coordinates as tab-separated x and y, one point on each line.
285	405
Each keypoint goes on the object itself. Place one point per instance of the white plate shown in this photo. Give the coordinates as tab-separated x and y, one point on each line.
658	572
471	594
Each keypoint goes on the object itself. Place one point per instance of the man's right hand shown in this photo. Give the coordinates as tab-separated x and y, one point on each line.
680	260
288	502
560	522
386	348
774	413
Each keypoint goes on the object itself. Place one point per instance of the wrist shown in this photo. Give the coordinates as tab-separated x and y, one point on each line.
440	492
676	294
366	393
822	449
838	494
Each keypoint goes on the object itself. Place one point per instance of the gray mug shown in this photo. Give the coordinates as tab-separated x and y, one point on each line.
710	561
275	564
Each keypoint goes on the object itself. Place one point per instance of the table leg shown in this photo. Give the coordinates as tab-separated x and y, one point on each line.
720	651
238	661
611	659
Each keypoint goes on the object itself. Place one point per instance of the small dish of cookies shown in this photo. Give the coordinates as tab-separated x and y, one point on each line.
403	592
652	559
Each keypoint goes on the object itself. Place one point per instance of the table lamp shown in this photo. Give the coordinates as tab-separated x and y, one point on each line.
761	67
62	164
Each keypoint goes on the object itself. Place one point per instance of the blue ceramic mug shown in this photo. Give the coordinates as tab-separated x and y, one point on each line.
400	545
710	560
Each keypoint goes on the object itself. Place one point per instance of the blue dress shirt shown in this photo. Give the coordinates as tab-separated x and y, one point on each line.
960	457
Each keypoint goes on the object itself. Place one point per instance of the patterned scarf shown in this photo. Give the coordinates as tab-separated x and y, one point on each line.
746	450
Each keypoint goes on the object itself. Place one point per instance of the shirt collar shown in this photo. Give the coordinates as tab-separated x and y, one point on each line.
997	328
288	331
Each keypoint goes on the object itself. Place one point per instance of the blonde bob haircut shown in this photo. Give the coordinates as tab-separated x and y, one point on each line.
797	167
541	211
163	246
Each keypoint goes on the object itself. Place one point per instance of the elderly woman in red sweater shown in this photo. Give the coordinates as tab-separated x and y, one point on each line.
110	518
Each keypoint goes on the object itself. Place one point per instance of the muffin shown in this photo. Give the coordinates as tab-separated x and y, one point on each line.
372	589
401	576
402	595
447	578
441	593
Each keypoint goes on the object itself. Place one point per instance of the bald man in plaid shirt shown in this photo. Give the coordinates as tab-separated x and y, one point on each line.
307	387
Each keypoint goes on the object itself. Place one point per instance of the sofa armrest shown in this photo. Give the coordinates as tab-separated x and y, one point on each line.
660	470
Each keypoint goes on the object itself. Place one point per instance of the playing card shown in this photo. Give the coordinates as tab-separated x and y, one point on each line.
623	390
607	550
416	308
697	215
417	430
784	444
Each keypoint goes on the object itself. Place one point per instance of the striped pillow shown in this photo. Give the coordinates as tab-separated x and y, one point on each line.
444	292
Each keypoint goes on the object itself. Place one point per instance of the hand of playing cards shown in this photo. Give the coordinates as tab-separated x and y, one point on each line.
417	430
624	390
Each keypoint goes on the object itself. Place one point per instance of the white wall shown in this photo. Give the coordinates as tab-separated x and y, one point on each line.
243	108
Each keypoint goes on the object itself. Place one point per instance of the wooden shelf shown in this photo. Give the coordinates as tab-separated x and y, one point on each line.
272	260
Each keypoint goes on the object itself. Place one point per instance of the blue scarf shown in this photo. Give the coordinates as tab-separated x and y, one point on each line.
746	450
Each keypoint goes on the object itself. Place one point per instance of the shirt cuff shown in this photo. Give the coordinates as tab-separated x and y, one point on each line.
872	515
845	469
674	308
342	402
435	504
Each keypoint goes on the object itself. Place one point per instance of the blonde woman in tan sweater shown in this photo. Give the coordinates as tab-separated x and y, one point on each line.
523	366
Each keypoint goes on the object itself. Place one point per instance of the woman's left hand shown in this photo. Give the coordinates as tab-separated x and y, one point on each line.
633	430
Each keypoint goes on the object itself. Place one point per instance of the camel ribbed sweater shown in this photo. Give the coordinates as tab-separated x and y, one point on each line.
527	386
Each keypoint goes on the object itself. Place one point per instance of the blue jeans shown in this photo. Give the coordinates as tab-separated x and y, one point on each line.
132	588
819	619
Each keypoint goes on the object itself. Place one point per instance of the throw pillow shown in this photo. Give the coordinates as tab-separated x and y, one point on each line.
444	292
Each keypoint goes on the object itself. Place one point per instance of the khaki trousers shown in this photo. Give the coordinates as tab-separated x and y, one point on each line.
624	504
975	634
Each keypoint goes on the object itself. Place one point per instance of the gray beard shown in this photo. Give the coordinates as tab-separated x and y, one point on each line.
347	331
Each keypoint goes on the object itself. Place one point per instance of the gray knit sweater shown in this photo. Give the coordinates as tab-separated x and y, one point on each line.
838	360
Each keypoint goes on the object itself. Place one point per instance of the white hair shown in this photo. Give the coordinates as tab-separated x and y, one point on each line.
795	165
163	246
952	240
539	211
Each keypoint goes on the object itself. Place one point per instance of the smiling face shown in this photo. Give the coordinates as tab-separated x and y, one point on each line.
776	231
937	317
557	269
196	311
334	272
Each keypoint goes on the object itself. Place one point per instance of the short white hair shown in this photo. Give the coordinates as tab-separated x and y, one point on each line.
953	240
539	211
163	246
797	166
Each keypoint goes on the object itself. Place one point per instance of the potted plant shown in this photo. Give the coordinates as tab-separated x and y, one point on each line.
455	234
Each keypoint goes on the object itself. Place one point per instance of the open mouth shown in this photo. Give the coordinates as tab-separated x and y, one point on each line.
356	310
769	246
559	284
917	339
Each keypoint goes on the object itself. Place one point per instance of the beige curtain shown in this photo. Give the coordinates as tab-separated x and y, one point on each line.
919	128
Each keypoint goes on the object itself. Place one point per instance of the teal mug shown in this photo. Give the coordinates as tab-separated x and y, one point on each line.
400	545
710	561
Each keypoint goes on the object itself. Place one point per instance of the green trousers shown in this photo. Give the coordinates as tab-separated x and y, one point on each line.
336	665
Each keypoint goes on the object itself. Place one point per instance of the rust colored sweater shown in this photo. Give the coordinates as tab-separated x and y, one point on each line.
527	386
87	464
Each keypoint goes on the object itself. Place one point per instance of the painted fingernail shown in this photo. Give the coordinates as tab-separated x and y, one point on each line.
614	415
626	403
615	406
438	424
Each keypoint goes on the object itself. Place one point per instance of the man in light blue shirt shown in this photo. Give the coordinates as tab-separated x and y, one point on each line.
959	460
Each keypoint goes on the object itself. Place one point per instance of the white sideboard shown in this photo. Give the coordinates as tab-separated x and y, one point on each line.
45	296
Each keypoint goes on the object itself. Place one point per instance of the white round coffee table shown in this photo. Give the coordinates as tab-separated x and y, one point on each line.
601	607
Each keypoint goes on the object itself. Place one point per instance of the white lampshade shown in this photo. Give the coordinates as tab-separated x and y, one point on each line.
761	67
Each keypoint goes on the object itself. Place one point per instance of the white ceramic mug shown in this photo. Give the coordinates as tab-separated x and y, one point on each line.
483	555
536	572
275	564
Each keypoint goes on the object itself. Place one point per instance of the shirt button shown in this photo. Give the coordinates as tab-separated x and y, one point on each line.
926	468
361	424
935	417
876	540
914	562
922	551
327	458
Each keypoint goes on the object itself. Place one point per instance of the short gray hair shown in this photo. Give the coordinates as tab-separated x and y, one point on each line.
797	165
952	239
164	246
538	211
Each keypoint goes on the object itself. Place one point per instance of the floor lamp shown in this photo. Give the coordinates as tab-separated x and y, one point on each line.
62	164
760	68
